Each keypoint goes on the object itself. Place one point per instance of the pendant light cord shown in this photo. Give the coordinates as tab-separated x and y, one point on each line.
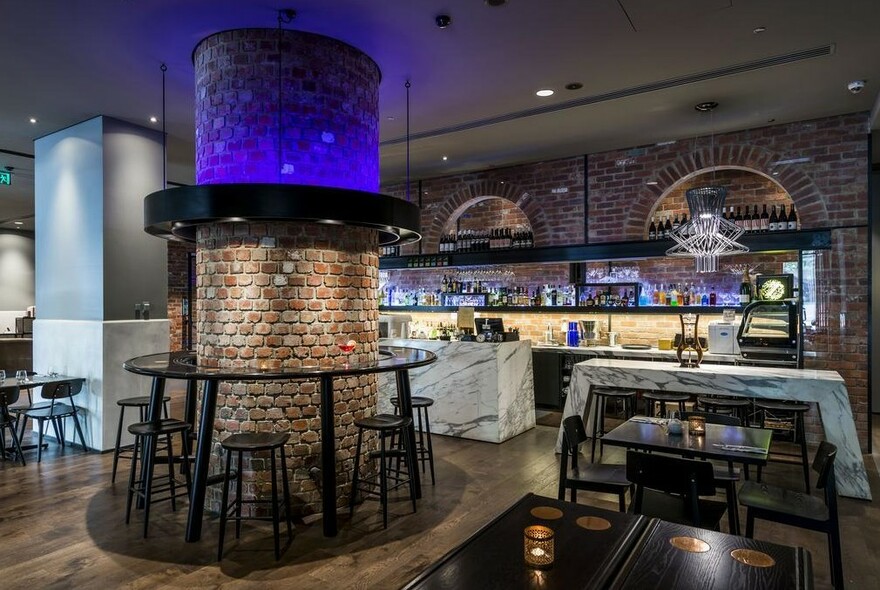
164	69
407	85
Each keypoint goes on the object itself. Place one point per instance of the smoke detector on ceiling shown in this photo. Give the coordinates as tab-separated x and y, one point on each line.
856	86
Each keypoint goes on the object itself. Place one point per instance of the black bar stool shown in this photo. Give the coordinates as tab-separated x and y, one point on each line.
248	442
653	397
386	425
780	410
424	452
141	403
601	395
738	407
147	487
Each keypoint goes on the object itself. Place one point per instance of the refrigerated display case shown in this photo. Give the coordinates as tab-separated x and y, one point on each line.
769	333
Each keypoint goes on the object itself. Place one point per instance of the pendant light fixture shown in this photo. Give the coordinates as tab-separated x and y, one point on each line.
706	236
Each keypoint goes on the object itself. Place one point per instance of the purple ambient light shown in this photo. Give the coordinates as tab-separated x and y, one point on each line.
326	119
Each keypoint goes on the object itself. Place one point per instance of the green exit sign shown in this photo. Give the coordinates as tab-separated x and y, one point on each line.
5	178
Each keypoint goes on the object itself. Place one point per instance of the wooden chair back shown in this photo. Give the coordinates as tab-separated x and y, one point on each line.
8	396
687	478
823	464
62	389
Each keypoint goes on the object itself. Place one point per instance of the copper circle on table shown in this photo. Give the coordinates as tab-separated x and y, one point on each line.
690	544
546	512
753	558
593	523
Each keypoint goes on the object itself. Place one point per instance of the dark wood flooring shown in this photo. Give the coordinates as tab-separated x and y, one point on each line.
62	526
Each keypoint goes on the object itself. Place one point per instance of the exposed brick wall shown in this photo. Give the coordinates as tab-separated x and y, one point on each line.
329	127
489	214
828	190
282	295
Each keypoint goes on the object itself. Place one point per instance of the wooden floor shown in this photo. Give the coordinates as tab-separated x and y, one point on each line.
62	526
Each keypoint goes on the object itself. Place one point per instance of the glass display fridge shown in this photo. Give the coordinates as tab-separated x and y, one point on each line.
769	333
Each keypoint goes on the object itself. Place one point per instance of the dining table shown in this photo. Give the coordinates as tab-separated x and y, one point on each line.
744	445
184	365
594	548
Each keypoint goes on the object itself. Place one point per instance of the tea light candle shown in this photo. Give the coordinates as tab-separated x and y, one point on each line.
538	543
697	425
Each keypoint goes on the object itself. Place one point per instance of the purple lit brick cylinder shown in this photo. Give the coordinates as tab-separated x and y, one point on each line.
326	117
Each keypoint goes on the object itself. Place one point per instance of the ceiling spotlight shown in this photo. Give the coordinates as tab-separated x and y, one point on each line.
574	86
652	183
445	158
443	20
856	86
154	120
544	92
759	30
390	118
33	120
18	222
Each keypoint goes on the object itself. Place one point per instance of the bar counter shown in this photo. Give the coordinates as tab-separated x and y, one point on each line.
825	388
481	391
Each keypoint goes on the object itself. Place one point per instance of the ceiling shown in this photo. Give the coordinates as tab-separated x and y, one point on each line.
473	83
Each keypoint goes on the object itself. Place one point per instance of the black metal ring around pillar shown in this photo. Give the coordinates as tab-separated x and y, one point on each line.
175	213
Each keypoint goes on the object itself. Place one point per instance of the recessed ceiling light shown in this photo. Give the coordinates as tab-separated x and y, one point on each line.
574	86
18	222
652	183
154	120
390	118
544	92
445	158
33	120
705	107
758	30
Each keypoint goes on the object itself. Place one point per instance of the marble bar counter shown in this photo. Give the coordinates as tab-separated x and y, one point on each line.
824	388
481	391
618	351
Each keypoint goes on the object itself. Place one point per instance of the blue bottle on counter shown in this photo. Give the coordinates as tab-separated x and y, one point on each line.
571	337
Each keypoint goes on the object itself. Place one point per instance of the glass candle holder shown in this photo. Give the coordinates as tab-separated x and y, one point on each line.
697	425
538	546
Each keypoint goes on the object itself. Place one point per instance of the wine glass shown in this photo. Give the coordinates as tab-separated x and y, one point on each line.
2	375
21	375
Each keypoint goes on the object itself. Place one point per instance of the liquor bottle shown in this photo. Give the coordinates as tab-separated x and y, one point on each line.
745	289
667	228
445	284
792	220
655	296
662	299
652	230
672	296
774	220
765	219
713	297
738	220
782	222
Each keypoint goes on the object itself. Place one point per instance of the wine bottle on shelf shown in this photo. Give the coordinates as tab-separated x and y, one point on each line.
652	230
676	222
747	220
745	289
667	228
713	297
684	220
738	219
773	221
782	222
765	219
792	220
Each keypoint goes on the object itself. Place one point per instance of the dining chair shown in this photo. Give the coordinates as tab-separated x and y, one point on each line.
8	396
794	508
593	477
670	488
60	406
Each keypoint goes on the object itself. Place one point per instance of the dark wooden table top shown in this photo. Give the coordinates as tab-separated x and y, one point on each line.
657	563
634	553
653	437
493	556
36	380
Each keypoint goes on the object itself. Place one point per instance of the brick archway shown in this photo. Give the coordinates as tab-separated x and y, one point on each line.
800	188
472	193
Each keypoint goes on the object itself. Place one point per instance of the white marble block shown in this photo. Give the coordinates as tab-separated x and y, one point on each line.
481	391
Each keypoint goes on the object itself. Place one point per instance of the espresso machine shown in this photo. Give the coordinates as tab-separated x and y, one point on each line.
589	335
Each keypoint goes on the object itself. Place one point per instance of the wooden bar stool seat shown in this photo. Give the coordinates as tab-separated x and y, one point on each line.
248	442
654	397
148	488
793	411
386	425
424	449
602	395
141	403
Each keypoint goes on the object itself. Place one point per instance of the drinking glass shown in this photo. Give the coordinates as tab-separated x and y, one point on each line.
346	344
21	375
2	375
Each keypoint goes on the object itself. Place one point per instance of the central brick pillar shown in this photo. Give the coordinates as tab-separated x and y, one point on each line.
281	294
